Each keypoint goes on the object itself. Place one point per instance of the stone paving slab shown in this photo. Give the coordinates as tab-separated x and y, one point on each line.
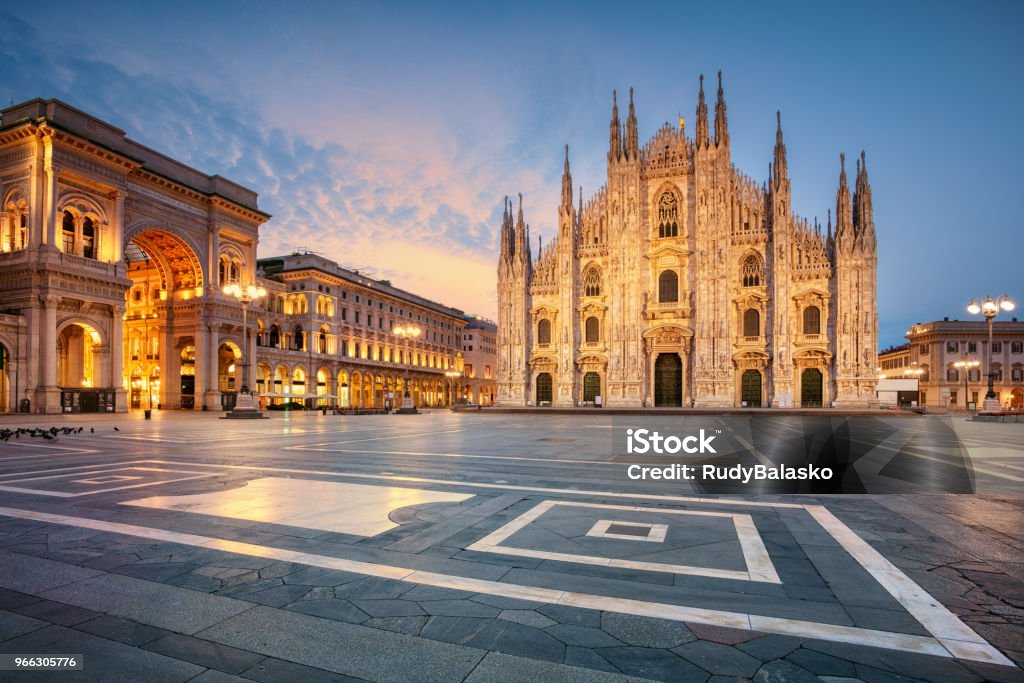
500	668
345	648
149	602
105	661
34	575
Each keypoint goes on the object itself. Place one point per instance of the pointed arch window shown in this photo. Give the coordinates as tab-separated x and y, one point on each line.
592	282
752	270
668	215
544	332
668	287
592	330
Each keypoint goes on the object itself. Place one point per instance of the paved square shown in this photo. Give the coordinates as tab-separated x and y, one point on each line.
488	543
714	543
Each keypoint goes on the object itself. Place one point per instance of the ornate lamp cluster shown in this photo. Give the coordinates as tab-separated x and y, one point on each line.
990	308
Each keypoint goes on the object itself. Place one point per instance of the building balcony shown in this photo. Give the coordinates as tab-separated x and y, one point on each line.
748	340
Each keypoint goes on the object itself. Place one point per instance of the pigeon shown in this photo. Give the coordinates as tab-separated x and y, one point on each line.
116	429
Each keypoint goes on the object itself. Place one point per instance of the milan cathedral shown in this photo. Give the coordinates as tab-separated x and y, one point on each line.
683	282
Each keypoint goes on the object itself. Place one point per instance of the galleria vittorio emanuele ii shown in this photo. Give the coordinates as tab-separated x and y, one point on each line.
113	259
684	282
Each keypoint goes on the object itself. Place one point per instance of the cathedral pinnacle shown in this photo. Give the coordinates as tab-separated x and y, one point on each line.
566	184
614	132
632	148
781	170
702	117
721	123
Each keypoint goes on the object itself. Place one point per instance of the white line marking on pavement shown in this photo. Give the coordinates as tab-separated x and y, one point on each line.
955	639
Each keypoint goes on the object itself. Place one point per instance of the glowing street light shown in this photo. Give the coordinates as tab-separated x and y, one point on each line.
244	404
407	332
965	366
451	375
990	308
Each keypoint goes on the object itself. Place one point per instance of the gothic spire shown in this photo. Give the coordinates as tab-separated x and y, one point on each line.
721	124
702	117
863	218
521	245
505	234
566	184
843	222
781	169
632	148
614	132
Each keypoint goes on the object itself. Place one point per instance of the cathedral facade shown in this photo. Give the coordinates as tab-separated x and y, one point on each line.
683	282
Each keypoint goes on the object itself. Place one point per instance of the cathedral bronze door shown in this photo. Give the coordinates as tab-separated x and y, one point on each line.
750	392
591	387
668	380
544	391
810	388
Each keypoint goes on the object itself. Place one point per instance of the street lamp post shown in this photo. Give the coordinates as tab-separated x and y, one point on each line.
245	406
407	332
990	309
451	375
965	367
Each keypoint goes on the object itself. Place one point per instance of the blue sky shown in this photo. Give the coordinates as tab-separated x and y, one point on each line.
385	135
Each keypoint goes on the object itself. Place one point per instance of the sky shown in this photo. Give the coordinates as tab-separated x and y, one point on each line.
386	135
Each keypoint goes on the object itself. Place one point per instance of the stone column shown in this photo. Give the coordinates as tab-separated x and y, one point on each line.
201	343
211	397
6	231
48	393
50	221
116	376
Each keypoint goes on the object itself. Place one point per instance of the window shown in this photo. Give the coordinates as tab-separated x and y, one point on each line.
751	323
88	238
544	332
593	330
1017	347
997	347
952	375
275	336
952	347
997	372
1017	374
752	270
974	375
668	287
68	226
592	282
298	339
952	398
923	349
668	215
812	320
972	347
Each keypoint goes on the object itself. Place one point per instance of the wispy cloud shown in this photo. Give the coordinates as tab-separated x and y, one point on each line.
415	208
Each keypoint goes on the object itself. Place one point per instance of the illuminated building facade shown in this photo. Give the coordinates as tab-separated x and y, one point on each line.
951	360
683	282
325	335
480	349
109	258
